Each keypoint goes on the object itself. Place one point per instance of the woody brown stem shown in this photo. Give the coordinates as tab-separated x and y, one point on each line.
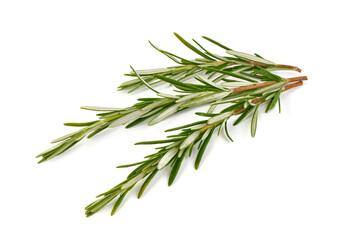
290	86
254	101
295	79
254	86
257	100
238	111
260	85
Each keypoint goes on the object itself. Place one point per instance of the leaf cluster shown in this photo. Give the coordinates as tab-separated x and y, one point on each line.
211	65
153	109
236	83
176	147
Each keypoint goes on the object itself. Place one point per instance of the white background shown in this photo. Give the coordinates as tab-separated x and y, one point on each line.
297	179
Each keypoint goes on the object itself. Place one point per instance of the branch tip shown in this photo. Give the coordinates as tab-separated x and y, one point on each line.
295	79
293	85
289	66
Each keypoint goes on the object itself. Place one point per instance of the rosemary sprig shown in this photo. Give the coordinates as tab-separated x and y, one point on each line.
159	108
214	67
238	81
199	133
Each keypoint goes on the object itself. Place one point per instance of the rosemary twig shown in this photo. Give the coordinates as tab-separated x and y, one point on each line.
241	71
215	67
158	109
238	82
198	133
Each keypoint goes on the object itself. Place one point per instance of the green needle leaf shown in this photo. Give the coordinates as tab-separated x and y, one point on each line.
250	57
273	101
209	83
164	52
211	97
158	141
146	183
187	44
179	84
138	121
254	121
202	149
100	129
243	115
186	126
279	105
229	74
100	204
119	201
165	113
227	132
143	80
95	108
130	165
175	169
67	136
216	43
267	74
82	124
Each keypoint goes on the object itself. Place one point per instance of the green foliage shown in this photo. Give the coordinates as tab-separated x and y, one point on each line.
215	79
235	64
174	147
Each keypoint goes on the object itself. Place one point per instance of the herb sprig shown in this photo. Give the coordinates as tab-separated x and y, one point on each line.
158	109
214	67
237	82
238	71
176	147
